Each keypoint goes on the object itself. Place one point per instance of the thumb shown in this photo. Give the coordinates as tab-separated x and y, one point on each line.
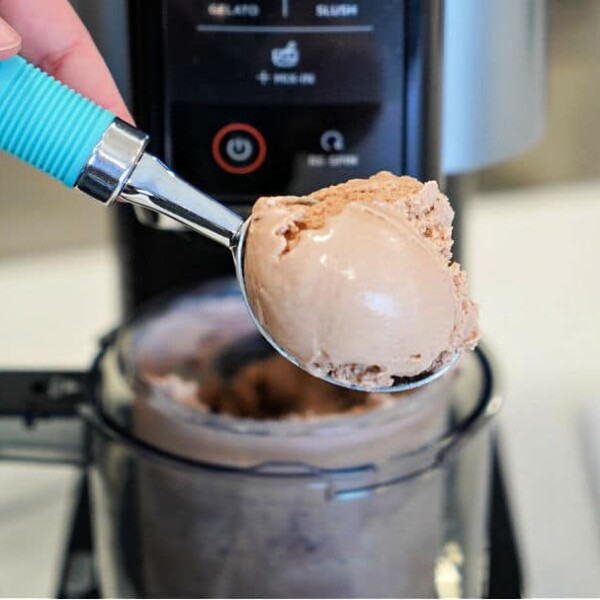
10	40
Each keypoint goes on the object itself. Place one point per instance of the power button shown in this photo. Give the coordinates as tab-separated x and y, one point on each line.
239	148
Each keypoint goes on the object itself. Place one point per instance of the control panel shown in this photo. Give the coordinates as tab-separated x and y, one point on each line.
282	96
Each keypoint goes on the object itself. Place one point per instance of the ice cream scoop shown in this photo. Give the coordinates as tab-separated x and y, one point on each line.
70	138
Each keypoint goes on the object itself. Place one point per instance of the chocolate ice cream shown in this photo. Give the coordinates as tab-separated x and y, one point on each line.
269	388
356	280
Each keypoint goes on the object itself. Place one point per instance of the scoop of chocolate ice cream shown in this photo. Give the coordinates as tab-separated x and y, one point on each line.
356	281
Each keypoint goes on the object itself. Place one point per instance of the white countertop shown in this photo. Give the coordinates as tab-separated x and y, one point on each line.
533	259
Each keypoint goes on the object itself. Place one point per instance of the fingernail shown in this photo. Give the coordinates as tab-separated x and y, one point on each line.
9	38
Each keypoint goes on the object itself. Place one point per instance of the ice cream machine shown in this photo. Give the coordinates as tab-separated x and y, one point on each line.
284	97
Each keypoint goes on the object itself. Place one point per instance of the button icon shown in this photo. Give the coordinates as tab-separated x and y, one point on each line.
333	140
287	57
239	148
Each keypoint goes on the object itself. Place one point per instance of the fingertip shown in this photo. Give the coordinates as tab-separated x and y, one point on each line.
10	41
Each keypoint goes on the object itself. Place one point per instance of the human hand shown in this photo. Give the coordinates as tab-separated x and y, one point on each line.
52	37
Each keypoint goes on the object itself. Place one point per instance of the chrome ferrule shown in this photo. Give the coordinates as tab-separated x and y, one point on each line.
112	161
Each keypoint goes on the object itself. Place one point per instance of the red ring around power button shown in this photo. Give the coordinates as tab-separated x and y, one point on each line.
261	145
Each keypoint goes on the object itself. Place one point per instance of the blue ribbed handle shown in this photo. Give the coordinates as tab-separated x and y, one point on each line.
45	123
